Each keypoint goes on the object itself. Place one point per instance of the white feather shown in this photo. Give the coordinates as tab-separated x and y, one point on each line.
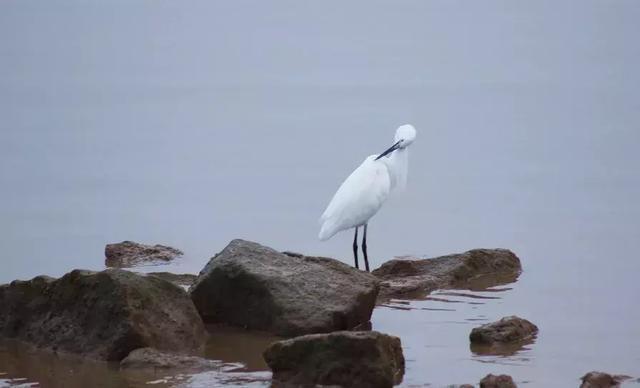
358	199
398	165
362	194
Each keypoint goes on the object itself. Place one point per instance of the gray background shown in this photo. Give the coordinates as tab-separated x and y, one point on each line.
192	123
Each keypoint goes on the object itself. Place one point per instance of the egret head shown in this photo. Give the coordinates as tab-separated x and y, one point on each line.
405	135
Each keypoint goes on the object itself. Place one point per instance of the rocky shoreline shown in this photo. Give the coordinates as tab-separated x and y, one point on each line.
321	305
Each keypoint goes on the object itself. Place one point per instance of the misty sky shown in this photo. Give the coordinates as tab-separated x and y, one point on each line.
192	123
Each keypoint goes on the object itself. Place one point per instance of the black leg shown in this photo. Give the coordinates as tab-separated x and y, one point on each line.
355	248
364	248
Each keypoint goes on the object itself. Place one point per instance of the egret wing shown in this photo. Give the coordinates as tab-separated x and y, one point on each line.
359	197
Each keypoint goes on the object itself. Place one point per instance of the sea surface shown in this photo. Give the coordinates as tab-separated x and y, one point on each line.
193	123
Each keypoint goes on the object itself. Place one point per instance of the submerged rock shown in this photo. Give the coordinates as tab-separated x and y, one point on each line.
411	277
596	379
256	287
501	381
129	254
155	359
150	367
506	330
345	358
101	315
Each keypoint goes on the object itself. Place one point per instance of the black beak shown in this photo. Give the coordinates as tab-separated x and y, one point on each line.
390	150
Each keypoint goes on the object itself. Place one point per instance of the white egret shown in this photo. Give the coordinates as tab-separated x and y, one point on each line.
362	194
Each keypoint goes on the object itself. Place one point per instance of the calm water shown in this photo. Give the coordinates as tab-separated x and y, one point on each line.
193	123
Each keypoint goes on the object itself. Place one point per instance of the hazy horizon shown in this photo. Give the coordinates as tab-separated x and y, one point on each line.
194	123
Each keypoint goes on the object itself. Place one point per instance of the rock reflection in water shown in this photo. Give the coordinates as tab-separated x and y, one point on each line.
502	349
239	350
29	365
489	282
230	344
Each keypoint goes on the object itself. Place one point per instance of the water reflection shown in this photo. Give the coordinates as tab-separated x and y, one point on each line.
231	344
507	349
467	295
228	380
22	364
489	282
239	351
439	323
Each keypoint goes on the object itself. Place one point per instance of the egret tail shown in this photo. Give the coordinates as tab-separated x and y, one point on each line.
327	230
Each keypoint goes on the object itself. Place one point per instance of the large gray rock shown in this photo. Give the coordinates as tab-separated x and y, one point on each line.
506	330
130	254
346	358
102	315
596	379
256	287
414	277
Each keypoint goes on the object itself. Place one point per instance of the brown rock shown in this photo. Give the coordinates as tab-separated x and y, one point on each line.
102	315
256	287
602	380
501	381
411	277
506	330
128	254
345	358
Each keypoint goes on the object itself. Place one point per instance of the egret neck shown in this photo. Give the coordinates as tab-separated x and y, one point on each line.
398	165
